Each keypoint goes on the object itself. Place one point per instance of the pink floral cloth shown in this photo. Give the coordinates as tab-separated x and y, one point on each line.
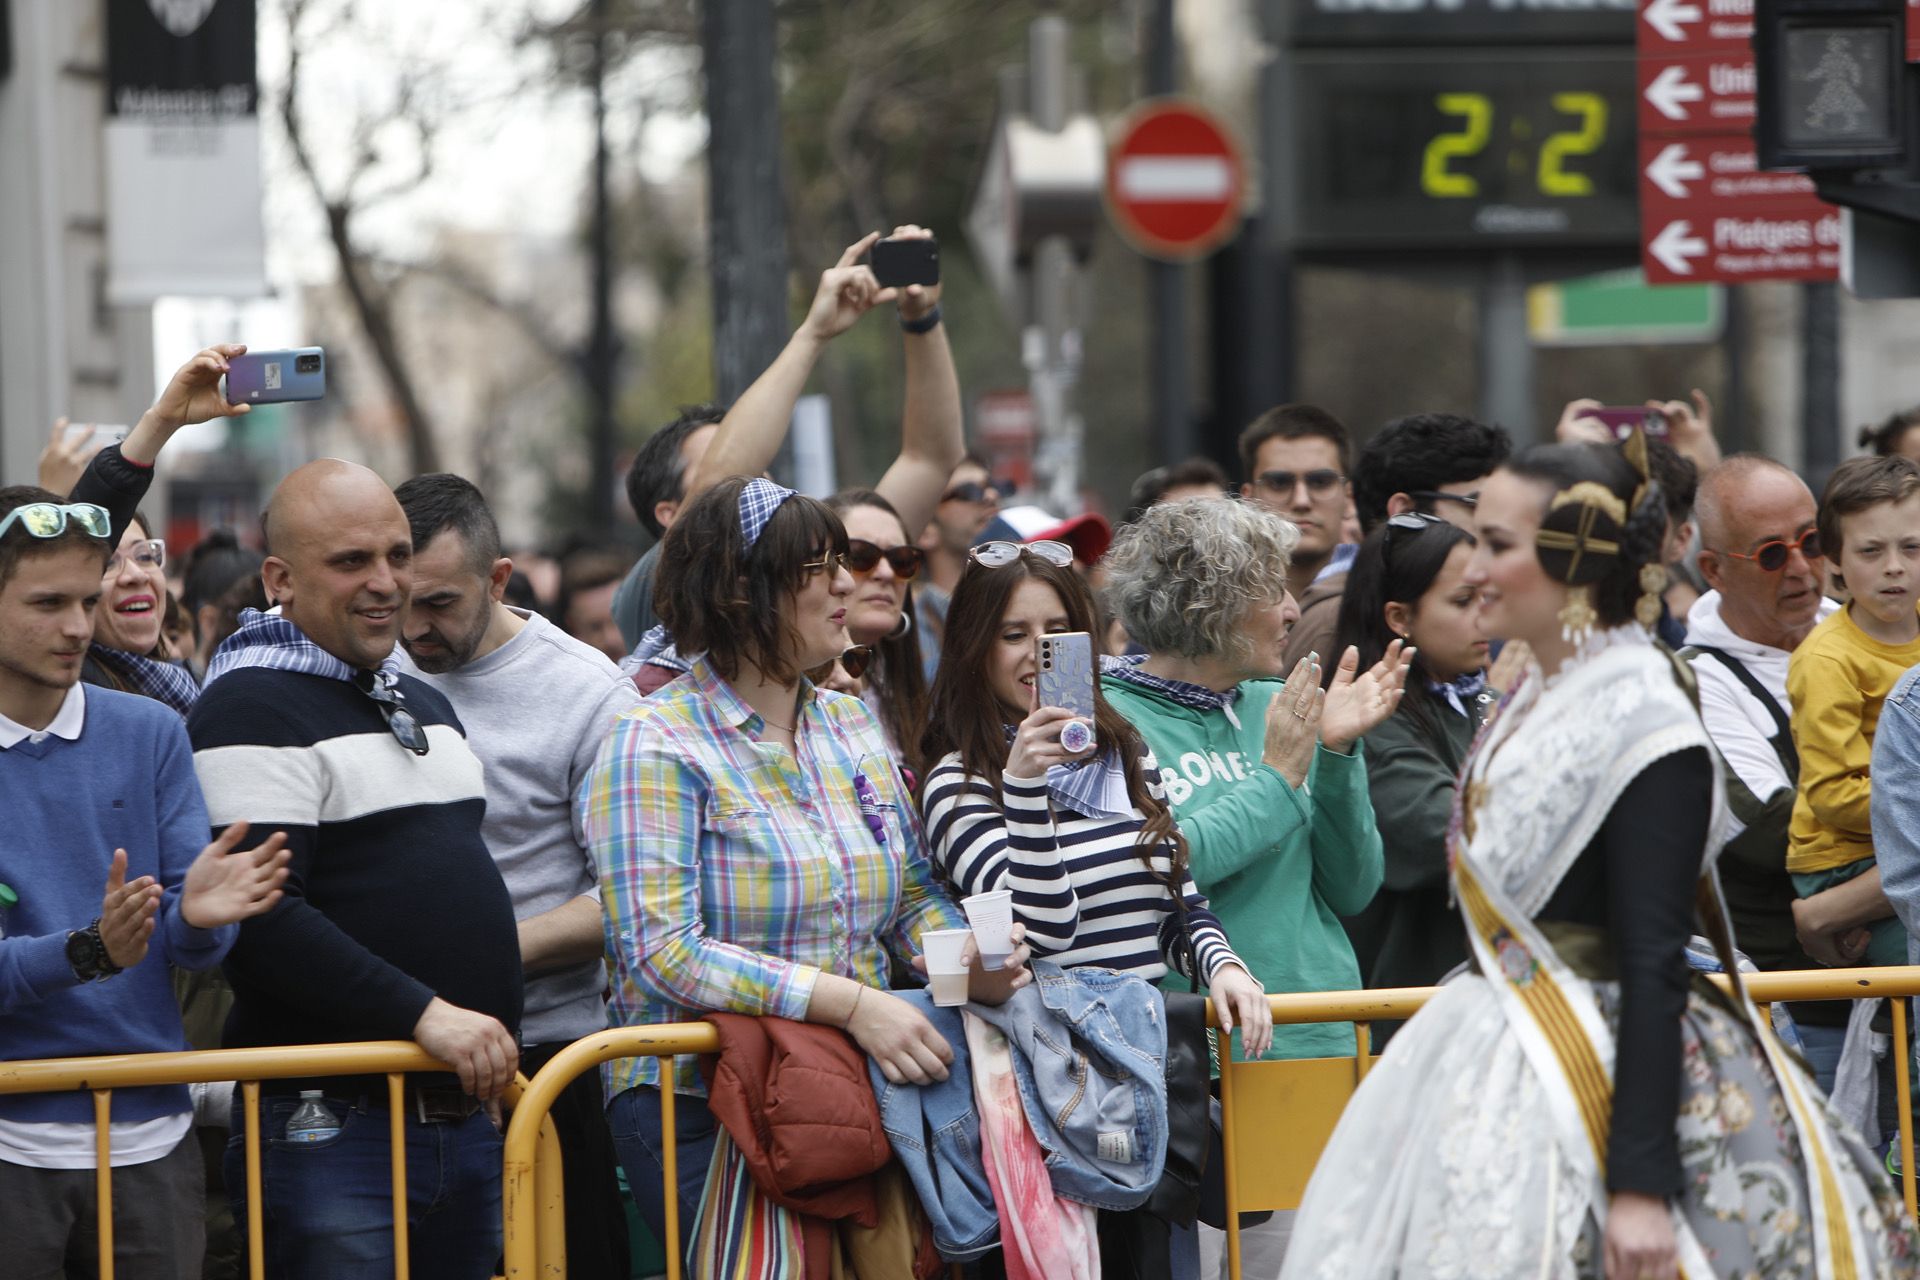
1042	1236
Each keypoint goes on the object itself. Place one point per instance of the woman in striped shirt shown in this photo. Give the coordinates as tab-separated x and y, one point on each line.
1085	843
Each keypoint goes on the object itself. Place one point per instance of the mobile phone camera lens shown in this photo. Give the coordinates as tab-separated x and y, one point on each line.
307	364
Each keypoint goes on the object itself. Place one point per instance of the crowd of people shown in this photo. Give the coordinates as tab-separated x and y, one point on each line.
1556	728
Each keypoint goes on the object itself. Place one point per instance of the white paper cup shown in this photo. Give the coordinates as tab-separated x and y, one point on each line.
949	989
991	915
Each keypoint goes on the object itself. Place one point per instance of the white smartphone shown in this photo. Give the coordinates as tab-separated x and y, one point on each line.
1065	680
95	435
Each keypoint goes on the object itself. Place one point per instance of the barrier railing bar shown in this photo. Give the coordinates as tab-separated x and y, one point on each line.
397	1148
670	1165
1903	1091
103	1177
256	1228
1224	1046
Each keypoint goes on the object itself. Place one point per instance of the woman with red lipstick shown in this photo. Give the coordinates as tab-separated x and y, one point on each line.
1408	583
129	652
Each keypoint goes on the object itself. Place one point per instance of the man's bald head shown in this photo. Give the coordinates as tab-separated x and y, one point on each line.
1726	492
339	559
318	495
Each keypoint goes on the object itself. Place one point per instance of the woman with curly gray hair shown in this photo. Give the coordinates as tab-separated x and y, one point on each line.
1264	776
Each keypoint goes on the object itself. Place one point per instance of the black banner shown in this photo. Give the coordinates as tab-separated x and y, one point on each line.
181	60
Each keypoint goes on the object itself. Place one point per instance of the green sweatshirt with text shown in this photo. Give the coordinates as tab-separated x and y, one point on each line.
1280	865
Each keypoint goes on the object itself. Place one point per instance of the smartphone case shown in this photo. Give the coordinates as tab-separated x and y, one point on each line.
1065	677
905	262
274	377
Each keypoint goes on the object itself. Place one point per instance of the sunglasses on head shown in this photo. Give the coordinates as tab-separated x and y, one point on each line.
1772	556
971	491
1409	524
998	555
49	519
407	730
1321	480
151	554
1467	500
864	557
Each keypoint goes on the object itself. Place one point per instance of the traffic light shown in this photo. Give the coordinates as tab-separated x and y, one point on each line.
1835	89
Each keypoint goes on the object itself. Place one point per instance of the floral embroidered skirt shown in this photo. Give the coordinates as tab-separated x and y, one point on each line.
1446	1165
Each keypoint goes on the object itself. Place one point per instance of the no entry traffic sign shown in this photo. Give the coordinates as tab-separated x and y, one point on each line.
1174	180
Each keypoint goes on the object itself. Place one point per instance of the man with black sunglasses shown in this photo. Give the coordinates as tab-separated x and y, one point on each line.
396	924
1433	463
1296	458
1761	556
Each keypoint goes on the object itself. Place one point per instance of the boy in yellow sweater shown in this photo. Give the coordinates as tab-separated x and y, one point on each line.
1837	680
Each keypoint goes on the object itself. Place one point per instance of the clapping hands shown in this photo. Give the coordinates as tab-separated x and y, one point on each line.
1356	703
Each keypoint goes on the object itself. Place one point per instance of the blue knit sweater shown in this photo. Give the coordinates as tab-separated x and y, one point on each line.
126	783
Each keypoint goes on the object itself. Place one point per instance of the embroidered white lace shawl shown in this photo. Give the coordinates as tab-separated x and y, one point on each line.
1560	752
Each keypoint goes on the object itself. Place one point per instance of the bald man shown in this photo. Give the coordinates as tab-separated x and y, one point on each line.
396	924
1760	554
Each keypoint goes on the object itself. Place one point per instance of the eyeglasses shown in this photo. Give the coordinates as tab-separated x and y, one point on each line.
856	660
828	564
1407	522
1772	556
971	491
1321	480
407	730
49	519
998	555
151	554
864	557
1467	500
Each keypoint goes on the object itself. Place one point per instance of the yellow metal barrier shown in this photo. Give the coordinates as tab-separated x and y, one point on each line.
1301	1098
394	1059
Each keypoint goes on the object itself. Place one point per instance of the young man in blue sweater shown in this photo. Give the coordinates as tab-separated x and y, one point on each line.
103	886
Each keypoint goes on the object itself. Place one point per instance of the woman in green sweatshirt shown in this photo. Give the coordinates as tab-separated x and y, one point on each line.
1266	777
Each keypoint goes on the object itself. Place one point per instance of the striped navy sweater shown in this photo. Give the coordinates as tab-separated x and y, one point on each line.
391	898
1079	883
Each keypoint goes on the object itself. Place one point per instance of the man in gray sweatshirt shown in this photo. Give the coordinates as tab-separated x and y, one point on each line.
536	705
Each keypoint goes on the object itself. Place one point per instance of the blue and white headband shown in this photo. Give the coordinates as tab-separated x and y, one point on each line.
758	501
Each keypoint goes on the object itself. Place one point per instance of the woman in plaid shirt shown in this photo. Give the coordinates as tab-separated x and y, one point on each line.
758	850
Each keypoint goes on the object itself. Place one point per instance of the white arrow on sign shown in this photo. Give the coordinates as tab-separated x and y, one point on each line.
1671	171
1676	246
1670	89
1671	18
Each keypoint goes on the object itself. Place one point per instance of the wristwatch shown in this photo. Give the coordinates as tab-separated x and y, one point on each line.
87	953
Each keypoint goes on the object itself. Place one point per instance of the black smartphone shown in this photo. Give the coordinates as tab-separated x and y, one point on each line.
898	263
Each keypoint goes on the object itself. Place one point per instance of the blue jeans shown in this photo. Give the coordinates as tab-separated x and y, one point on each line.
634	1117
329	1205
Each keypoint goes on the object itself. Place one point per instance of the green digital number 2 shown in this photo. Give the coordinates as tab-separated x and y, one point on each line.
1476	113
1591	109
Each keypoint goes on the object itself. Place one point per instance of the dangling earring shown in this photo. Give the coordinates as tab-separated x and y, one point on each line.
900	627
1577	617
1653	580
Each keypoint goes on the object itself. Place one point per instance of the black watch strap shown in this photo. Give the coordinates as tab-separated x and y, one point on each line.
87	953
925	324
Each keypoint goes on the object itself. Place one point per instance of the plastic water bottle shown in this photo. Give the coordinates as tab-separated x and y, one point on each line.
311	1121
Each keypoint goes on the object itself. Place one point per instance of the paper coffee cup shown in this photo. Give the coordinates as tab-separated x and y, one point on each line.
991	915
949	989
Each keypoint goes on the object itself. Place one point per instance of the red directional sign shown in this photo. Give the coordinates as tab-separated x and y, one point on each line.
1174	180
1695	26
1697	93
1712	168
1708	212
1913	30
1795	239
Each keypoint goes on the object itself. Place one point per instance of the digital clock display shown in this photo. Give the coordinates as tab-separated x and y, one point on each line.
1484	149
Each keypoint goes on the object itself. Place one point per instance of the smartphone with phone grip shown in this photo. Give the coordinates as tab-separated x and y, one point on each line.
898	263
1622	419
276	377
1065	680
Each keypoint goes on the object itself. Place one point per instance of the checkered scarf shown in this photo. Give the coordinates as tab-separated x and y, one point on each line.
758	501
269	640
149	677
1197	696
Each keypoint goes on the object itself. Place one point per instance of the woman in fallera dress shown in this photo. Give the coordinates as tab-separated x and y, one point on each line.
1577	1105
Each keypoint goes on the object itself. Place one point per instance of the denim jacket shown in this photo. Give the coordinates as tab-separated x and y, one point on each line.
1895	804
935	1134
1089	1057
